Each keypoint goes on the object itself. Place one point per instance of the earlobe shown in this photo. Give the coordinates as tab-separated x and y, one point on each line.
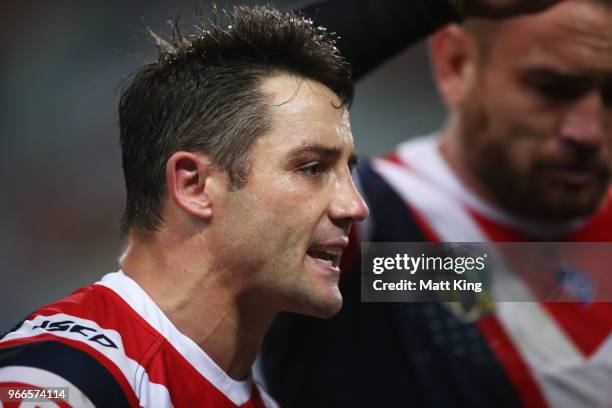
188	178
454	55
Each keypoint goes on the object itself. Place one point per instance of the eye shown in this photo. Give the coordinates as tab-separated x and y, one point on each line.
606	95
558	89
312	169
555	91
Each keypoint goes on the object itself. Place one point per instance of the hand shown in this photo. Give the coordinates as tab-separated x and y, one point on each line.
501	8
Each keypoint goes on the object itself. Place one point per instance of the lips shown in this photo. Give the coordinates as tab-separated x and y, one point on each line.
328	254
574	177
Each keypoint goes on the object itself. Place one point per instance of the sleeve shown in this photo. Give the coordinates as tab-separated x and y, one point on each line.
79	379
372	31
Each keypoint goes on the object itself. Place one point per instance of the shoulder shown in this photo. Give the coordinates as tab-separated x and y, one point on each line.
88	342
382	181
83	379
408	160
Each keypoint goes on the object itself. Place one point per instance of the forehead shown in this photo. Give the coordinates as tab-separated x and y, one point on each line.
574	36
296	96
305	111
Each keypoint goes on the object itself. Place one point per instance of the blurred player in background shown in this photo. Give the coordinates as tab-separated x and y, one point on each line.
223	137
525	155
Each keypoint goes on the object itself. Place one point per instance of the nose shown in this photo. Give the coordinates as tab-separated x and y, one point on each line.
583	125
348	206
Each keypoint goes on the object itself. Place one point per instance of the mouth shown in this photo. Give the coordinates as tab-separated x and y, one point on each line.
327	257
577	178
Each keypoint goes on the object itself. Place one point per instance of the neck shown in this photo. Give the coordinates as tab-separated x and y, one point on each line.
217	314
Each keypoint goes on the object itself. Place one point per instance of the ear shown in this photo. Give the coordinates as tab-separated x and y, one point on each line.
454	57
189	177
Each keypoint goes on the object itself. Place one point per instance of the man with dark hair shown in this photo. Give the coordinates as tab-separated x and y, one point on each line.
212	84
223	138
237	153
525	155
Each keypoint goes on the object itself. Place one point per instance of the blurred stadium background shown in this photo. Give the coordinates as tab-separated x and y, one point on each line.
63	193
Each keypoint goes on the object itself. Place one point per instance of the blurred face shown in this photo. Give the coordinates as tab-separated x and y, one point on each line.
536	124
286	229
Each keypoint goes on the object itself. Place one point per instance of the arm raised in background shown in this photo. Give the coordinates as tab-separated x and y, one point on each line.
500	8
372	31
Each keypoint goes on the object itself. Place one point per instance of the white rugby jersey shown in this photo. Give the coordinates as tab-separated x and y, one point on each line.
109	345
555	354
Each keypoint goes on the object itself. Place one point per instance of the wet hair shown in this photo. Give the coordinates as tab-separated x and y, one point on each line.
203	94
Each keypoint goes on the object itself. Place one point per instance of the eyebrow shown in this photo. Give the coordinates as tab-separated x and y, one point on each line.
548	74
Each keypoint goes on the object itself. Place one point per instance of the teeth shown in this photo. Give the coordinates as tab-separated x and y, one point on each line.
327	257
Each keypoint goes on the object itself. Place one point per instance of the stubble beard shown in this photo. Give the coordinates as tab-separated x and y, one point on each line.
521	192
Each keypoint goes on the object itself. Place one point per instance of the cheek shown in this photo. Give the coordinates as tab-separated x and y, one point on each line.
523	153
521	130
499	143
289	210
514	106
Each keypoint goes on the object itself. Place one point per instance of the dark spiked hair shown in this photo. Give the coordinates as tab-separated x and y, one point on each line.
203	94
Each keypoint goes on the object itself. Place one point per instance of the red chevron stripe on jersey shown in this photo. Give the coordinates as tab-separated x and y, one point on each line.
142	344
553	352
119	325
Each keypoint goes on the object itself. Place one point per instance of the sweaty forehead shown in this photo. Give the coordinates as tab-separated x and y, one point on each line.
304	112
296	92
575	35
296	101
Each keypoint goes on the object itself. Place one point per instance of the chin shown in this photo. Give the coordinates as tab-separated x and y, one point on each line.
316	293
329	310
570	205
322	306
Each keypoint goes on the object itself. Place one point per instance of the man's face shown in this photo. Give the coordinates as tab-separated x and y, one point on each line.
536	125
285	230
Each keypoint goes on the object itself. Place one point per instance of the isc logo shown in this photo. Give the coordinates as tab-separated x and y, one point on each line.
72	327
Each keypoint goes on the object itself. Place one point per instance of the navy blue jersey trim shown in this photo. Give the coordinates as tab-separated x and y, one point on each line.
74	365
14	328
391	215
384	354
